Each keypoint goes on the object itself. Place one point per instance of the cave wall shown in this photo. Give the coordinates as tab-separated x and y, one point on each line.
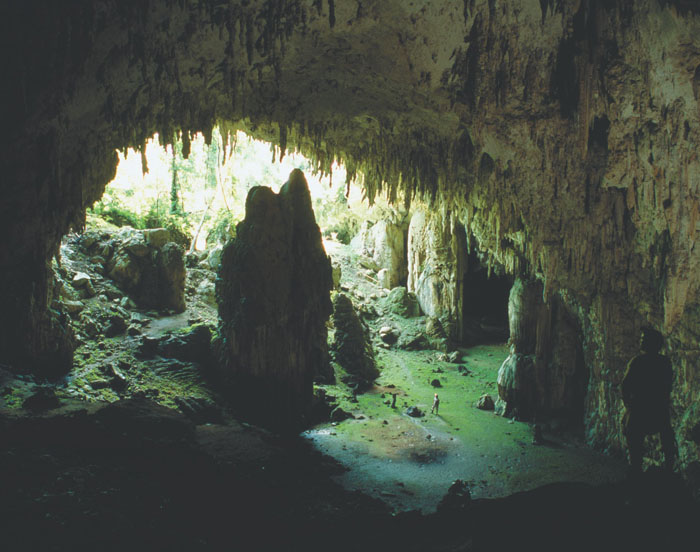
437	261
545	375
562	135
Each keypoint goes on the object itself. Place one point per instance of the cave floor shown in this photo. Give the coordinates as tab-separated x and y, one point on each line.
135	476
411	462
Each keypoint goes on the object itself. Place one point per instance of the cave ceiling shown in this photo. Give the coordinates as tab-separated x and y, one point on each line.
562	134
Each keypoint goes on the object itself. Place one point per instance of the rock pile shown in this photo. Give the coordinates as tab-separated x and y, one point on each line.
146	264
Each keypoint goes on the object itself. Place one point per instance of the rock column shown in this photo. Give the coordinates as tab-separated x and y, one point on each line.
545	373
273	290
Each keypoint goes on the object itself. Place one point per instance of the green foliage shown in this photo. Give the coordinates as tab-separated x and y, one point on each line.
159	216
223	228
112	210
335	217
204	195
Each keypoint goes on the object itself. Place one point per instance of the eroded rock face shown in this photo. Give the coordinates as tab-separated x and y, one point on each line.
273	294
351	344
436	263
384	243
147	265
545	374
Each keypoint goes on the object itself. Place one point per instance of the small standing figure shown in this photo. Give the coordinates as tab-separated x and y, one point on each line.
436	405
393	400
646	392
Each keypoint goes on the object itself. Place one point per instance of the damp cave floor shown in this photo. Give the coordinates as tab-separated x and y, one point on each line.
410	463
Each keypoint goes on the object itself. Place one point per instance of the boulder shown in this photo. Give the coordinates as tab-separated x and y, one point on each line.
147	347
351	343
80	280
206	290
116	325
88	290
457	501
388	335
73	307
485	402
136	247
127	303
403	303
214	257
415	412
157	237
151	272
338	415
413	341
191	345
124	270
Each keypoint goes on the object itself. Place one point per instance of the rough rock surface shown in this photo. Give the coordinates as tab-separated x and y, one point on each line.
273	293
437	260
384	242
545	373
147	265
351	344
562	135
402	302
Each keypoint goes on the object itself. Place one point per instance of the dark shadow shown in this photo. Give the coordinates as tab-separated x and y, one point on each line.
485	305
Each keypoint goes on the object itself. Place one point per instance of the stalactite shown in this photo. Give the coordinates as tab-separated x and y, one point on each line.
144	160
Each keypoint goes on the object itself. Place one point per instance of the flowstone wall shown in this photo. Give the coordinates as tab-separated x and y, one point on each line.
562	136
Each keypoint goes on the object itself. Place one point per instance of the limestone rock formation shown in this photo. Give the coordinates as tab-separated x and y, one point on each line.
436	263
273	294
562	136
384	242
351	344
402	302
545	373
149	266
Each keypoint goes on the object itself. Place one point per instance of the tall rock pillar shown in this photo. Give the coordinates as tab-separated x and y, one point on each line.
273	291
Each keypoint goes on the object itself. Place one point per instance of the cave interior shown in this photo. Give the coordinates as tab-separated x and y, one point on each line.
548	151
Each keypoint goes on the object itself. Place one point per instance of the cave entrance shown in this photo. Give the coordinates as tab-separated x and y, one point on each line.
196	186
138	285
484	303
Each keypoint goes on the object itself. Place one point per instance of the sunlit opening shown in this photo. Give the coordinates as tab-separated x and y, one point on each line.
203	196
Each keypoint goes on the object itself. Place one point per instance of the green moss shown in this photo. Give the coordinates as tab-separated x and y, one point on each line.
411	373
12	398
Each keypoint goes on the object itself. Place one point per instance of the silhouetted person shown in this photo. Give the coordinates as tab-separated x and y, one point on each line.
393	400
646	392
436	404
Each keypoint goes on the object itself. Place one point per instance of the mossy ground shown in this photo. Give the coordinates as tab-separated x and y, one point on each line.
411	462
97	357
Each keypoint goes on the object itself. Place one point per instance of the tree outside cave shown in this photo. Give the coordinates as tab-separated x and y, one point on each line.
201	196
